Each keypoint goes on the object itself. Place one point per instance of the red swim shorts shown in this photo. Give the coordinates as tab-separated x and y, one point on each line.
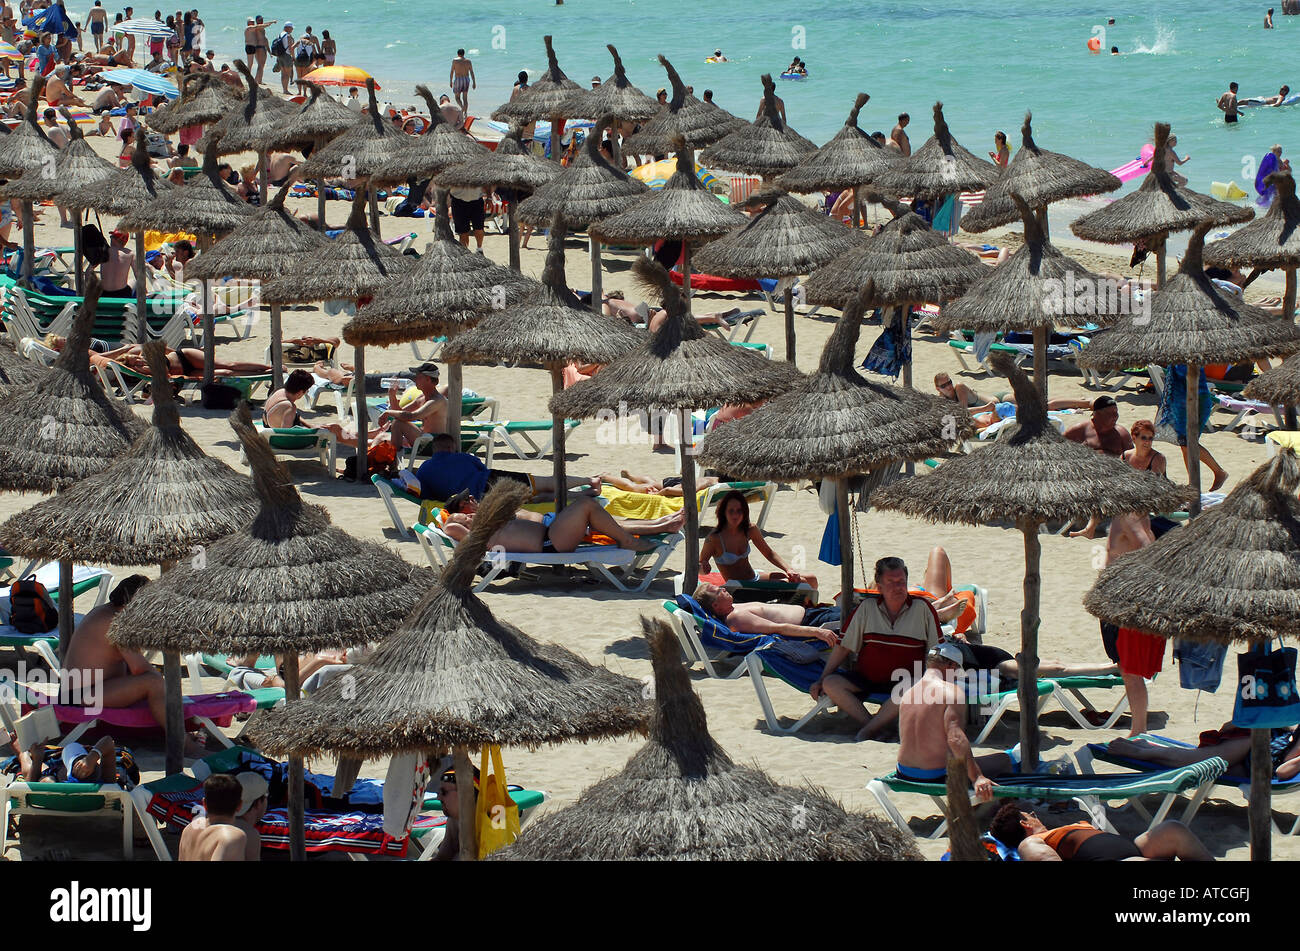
1140	653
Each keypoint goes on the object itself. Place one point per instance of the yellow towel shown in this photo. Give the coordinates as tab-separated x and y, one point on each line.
1286	439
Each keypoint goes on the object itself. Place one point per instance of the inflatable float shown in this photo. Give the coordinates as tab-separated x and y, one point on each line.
1139	166
1227	191
1257	101
794	75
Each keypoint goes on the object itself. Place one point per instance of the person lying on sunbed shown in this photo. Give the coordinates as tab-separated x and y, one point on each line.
560	531
985	411
1229	741
73	763
669	486
787	620
246	675
653	319
732	539
447	473
185	361
1018	827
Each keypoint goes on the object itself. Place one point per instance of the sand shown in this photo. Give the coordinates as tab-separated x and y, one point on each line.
601	624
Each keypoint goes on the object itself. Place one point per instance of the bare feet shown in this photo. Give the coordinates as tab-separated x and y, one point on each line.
1220	478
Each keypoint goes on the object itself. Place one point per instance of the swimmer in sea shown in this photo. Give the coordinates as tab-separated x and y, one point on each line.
718	57
1228	103
1279	98
1114	51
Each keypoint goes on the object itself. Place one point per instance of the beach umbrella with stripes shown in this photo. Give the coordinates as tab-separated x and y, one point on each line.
1230	576
766	147
545	99
29	151
1270	241
142	27
150	83
1028	476
939	168
699	123
453	675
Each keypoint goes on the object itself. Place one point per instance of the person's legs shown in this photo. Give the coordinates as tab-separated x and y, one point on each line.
260	55
1049	669
938	572
1135	688
1234	751
1220	473
1172	840
545	485
124	691
844	694
626	482
478	236
584	516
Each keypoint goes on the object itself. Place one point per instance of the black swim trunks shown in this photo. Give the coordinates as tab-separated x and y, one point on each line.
496	475
1106	847
467	216
1230	118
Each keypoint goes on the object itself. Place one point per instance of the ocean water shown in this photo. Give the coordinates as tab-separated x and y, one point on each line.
988	63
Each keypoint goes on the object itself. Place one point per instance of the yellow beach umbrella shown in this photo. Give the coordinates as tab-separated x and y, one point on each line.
338	76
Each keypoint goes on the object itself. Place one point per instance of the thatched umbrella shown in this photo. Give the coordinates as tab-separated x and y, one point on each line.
699	123
449	289
320	119
590	189
359	152
766	147
29	152
681	797
615	97
1028	476
454	675
1232	575
270	243
851	159
1039	177
835	424
683	210
77	164
17	372
354	267
204	99
679	369
552	329
545	99
1268	242
783	239
249	125
162	500
1031	291
939	168
509	166
121	193
63	430
439	147
1190	321
1158	207
206	207
287	582
1280	386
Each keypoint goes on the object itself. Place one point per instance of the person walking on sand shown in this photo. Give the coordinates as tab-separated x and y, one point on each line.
1228	103
462	80
96	19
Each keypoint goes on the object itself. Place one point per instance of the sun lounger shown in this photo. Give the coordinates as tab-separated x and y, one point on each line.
1244	410
300	441
219	664
66	800
1091	791
600	559
966	348
516	434
47	645
1237	780
1065	691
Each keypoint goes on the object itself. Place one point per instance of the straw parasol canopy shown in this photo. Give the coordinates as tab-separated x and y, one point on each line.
1268	242
265	245
682	797
547	97
321	117
28	150
362	150
684	209
699	123
65	428
17	373
939	168
590	189
509	165
910	262
287	582
77	164
1039	177
449	288
616	96
766	147
355	265
1030	475
122	192
203	205
152	504
1280	386
441	146
251	123
851	158
204	99
784	238
453	674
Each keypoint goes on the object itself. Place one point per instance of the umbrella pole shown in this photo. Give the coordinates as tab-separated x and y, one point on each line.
514	233
1260	805
555	138
297	799
1028	659
686	274
843	515
1288	296
141	290
66	596
320	205
557	443
789	325
1040	361
690	504
468	807
455	391
363	423
209	328
174	728
262	176
858	218
29	243
1160	262
1194	438
1040	213
374	211
277	349
905	323
597	278
77	255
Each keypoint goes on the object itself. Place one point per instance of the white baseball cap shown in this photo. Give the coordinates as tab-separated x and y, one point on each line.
948	651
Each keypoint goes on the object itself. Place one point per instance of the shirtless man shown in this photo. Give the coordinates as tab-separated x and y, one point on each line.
253	800
216	837
427	415
57	92
462	80
762	107
115	273
1102	432
280	166
96	20
898	138
1228	103
256	38
788	620
560	531
976	404
107	99
53	131
128	677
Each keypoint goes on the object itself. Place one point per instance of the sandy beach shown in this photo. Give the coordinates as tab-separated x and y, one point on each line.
602	624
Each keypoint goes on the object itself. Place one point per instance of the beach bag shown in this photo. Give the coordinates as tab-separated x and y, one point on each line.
277	46
31	609
93	246
1266	689
496	819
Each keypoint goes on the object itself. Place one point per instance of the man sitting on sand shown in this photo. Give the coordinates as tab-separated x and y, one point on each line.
562	531
1018	827
216	837
1229	741
448	473
787	620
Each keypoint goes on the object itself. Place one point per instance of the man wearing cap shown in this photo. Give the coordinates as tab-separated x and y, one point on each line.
1103	431
595	82
254	790
284	56
428	414
449	800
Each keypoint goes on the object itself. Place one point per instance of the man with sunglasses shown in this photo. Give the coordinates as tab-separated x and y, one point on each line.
1018	827
449	800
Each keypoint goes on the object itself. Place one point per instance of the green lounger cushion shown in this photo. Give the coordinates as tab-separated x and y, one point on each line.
1110	786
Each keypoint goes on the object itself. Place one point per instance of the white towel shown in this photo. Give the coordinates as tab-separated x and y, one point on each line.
404	784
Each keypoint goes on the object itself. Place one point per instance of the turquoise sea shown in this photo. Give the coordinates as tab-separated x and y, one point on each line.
988	62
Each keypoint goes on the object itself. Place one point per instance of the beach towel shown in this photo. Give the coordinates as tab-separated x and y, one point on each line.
1267	165
408	775
892	349
830	550
1173	405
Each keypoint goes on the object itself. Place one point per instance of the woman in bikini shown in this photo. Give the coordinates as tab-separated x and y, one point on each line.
187	361
733	538
559	532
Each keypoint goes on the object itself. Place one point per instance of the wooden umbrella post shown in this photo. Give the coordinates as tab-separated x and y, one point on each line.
141	291
1028	659
455	396
597	277
1040	361
277	349
859	220
690	505
29	243
1194	438
555	138
1260	804
263	159
558	444
512	216
209	326
1160	261
1288	296
78	256
686	273
374	210
363	417
468	804
905	325
174	728
789	325
843	515
297	796
66	617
